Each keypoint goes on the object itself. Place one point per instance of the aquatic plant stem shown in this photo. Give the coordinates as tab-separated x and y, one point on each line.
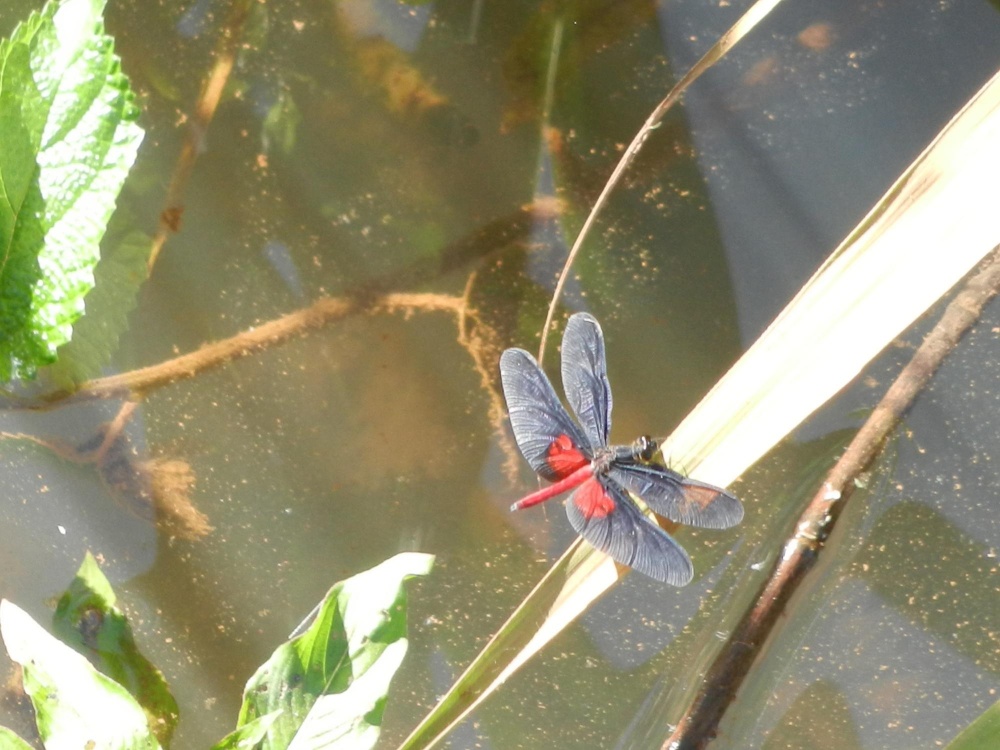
727	41
723	679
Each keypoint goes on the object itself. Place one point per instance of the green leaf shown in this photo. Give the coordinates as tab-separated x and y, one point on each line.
87	620
117	278
67	124
11	741
330	682
75	705
281	124
982	734
248	735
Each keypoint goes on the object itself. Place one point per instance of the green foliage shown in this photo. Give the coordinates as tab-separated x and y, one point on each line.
330	682
117	279
324	688
86	619
75	705
249	734
68	125
281	124
981	734
10	741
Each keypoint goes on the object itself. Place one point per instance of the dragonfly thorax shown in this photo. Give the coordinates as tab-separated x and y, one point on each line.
640	451
604	457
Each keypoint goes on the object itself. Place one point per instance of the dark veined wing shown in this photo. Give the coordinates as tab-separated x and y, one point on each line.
678	498
585	377
603	514
546	434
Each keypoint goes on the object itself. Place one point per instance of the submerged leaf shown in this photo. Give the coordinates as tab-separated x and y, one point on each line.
67	122
819	719
330	682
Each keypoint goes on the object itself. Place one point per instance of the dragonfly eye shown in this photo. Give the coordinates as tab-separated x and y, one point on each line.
644	448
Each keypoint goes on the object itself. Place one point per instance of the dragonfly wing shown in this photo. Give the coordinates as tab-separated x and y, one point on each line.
678	498
604	515
585	377
546	434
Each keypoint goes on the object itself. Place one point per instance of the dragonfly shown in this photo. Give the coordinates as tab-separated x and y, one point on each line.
576	455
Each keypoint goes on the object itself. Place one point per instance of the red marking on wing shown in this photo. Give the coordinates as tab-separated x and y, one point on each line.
593	501
700	496
564	457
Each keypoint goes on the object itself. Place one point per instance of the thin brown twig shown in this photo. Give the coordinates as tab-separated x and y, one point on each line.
723	679
741	28
204	111
114	429
58	447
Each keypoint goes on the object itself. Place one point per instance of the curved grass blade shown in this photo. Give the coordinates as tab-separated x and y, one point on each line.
746	23
928	231
932	226
981	734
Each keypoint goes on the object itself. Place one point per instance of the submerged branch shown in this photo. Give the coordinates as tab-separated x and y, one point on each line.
814	526
204	111
485	242
136	383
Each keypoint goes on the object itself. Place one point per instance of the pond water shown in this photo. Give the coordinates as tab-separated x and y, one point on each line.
450	151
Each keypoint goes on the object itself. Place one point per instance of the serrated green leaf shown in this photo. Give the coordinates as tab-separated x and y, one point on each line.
74	703
117	279
67	122
87	620
330	682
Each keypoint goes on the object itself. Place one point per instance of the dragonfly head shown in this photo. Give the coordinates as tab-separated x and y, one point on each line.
644	448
